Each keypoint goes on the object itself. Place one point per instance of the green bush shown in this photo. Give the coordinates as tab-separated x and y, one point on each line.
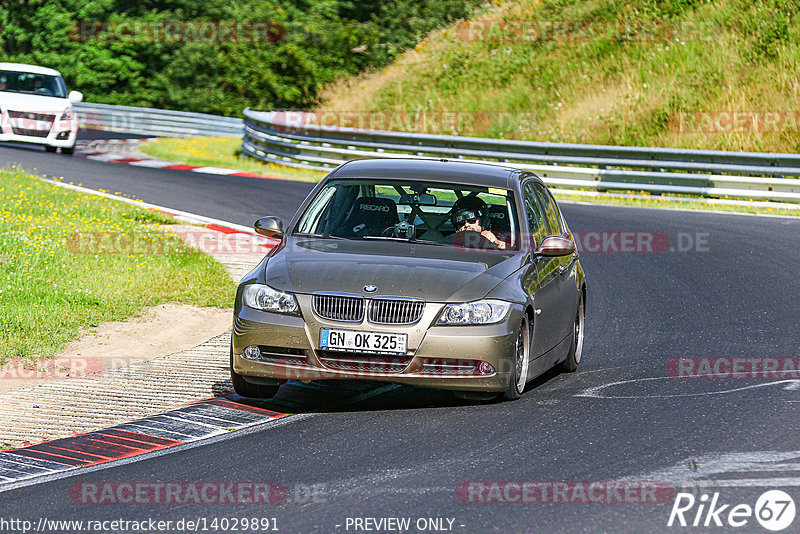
320	41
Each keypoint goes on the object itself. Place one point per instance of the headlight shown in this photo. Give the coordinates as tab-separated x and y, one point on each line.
478	312
265	298
67	115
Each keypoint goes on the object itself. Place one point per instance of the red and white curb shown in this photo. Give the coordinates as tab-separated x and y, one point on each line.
194	422
113	151
201	422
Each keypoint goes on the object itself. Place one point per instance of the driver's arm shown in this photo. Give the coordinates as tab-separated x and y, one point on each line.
494	239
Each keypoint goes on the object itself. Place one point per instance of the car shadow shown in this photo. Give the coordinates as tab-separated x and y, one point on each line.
24	146
332	396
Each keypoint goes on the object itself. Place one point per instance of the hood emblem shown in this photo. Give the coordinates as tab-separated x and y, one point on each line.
370	288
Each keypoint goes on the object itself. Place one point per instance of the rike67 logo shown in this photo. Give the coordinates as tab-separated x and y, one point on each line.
774	510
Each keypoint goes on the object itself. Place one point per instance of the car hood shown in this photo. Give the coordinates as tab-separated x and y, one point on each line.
33	103
433	273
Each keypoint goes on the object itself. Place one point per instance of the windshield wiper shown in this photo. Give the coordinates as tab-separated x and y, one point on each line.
427	242
321	236
405	240
388	238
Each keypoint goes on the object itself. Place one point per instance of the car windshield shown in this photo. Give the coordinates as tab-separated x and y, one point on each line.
411	210
32	83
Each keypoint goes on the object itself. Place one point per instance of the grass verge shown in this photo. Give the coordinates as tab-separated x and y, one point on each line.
70	261
221	152
637	73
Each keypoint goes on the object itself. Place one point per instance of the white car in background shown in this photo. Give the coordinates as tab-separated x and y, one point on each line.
35	107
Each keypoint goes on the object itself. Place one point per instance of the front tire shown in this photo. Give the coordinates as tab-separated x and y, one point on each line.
246	389
570	365
67	151
518	378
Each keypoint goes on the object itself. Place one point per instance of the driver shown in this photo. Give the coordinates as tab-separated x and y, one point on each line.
468	222
39	86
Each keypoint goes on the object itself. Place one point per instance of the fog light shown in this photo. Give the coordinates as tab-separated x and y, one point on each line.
63	135
485	368
251	353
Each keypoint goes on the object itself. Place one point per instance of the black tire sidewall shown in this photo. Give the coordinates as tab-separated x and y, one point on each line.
570	365
511	392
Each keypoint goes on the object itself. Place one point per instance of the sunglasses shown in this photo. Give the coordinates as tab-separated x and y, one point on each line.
471	220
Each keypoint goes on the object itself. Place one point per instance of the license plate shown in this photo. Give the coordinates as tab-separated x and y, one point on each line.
370	342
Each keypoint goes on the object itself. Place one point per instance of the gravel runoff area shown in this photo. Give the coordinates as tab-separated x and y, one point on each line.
60	408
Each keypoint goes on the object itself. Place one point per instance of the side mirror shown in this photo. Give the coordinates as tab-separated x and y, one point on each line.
75	97
269	226
556	245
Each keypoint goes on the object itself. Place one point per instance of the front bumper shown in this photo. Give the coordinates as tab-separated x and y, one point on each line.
62	134
298	337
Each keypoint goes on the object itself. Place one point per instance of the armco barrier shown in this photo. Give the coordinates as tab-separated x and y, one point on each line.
156	122
287	138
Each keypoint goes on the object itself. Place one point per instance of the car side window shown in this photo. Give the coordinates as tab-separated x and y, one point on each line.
533	213
551	213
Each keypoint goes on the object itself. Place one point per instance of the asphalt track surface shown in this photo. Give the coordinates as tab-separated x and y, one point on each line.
404	451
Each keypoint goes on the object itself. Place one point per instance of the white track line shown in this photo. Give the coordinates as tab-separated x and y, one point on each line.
180	215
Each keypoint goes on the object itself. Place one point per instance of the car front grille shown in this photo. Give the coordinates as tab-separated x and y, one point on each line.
339	307
28	120
381	310
363	363
46	117
395	311
30	132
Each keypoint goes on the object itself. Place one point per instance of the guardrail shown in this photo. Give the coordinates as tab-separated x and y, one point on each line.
157	122
291	138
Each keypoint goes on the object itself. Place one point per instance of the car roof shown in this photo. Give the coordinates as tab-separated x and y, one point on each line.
479	174
33	69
